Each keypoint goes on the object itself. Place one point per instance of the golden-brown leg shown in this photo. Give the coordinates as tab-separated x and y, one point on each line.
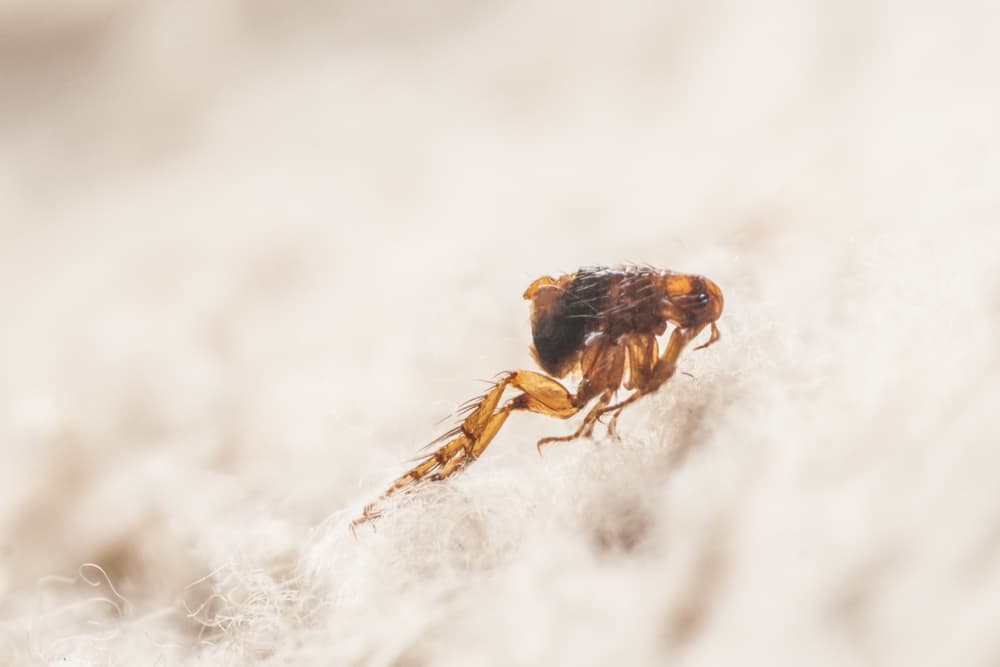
586	427
541	394
616	411
711	339
650	379
603	365
643	355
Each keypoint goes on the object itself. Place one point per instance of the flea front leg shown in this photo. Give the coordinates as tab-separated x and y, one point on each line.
650	379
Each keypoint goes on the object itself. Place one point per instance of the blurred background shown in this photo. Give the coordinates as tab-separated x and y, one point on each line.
252	252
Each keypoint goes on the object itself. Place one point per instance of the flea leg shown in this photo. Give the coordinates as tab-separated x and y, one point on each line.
650	379
603	365
643	356
586	428
711	339
465	443
616	411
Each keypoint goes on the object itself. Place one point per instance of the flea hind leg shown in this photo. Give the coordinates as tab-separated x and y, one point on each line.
465	443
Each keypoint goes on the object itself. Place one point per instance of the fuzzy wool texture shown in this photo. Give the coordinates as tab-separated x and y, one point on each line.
252	254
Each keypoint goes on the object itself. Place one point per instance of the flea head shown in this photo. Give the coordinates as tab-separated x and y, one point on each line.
690	300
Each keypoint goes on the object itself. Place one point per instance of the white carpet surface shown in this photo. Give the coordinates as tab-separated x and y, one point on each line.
251	255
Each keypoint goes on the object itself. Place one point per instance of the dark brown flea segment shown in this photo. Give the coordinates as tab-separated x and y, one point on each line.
601	323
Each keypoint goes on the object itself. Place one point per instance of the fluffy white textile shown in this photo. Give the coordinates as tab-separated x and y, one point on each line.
251	252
